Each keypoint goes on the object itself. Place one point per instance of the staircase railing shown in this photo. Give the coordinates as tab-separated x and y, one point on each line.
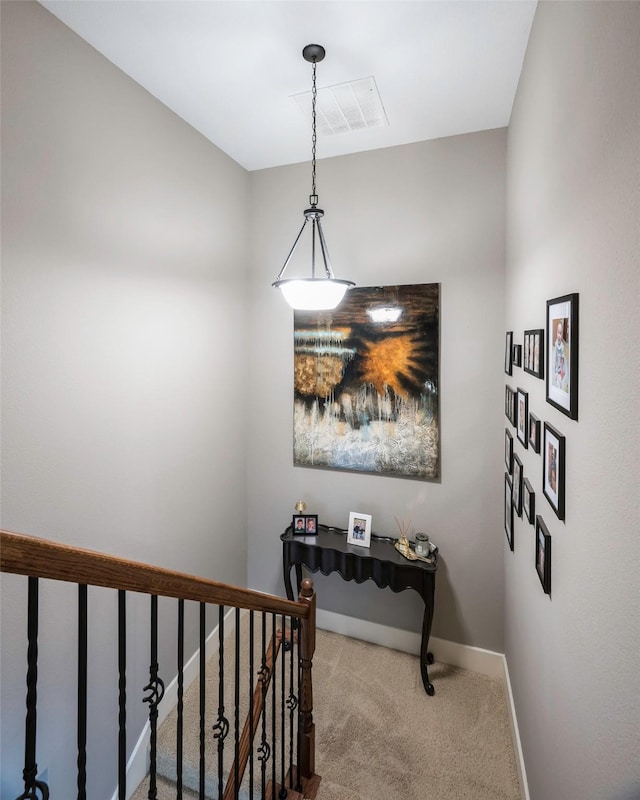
279	730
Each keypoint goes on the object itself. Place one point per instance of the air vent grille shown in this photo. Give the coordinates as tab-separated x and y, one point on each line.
345	107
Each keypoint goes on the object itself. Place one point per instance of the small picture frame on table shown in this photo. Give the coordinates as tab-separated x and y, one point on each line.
553	468
522	415
517	485
534	433
508	353
508	510
528	500
508	450
359	530
305	524
562	354
534	352
543	554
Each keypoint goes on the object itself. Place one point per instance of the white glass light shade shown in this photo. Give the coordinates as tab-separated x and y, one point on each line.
313	294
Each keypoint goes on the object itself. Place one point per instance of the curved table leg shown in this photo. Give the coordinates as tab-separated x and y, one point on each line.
426	657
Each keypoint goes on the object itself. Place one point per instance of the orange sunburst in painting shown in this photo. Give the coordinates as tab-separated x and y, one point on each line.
384	363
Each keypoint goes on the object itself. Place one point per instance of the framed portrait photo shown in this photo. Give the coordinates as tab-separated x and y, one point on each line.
562	354
534	352
508	450
305	524
534	433
517	486
528	500
359	530
508	510
510	405
508	353
543	554
522	416
553	468
517	355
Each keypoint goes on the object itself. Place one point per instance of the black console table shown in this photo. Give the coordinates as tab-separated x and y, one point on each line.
328	552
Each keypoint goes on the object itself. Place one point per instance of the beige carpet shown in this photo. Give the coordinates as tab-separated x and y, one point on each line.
378	735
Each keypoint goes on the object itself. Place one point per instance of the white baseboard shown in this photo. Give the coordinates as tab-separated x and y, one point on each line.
486	662
138	764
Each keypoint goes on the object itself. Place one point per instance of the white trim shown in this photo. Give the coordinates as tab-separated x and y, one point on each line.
460	655
515	735
138	764
486	662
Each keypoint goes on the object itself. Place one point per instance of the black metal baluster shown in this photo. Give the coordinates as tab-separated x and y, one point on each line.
283	674
82	691
122	694
221	728
155	687
292	702
203	644
299	731
273	709
180	722
30	771
263	750
236	700
251	665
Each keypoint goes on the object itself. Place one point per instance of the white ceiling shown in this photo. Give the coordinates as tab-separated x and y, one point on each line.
230	67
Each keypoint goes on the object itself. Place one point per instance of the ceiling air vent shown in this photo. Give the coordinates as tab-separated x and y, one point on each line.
345	107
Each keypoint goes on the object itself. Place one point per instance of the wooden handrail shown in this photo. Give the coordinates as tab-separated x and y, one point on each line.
30	555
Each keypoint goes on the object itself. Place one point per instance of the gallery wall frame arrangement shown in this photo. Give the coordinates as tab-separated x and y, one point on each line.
528	500
359	529
508	450
522	415
543	554
533	358
534	433
508	353
517	485
553	469
508	510
366	383
562	354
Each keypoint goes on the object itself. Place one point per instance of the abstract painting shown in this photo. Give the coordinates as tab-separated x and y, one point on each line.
366	383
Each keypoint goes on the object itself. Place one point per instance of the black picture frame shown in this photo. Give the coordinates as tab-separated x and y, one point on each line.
508	450
528	500
543	554
510	405
304	525
517	355
508	510
522	416
508	353
516	494
562	354
534	433
533	356
553	469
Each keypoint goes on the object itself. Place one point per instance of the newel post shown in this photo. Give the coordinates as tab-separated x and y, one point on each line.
307	649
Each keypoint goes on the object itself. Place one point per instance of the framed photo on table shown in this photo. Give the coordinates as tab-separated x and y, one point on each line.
562	354
553	468
359	530
305	524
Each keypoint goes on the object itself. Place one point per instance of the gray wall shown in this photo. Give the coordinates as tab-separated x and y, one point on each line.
422	213
124	362
573	210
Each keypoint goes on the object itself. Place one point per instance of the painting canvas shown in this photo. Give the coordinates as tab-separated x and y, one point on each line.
366	383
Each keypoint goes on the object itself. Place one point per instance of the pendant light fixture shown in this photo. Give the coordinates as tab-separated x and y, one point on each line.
314	293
